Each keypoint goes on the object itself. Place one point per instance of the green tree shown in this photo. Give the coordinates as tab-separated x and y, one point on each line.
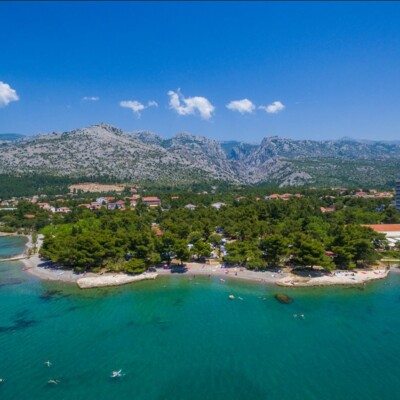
135	266
274	247
309	252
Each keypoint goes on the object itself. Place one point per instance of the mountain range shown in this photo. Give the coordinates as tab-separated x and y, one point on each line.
104	150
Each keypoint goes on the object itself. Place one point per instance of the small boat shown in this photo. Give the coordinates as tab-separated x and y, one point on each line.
231	296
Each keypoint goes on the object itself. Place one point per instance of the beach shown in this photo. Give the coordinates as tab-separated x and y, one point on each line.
49	271
216	270
335	278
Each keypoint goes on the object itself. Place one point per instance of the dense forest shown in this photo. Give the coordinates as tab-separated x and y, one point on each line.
253	234
34	184
248	231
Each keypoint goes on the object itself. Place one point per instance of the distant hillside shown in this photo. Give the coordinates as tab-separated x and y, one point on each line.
103	150
10	137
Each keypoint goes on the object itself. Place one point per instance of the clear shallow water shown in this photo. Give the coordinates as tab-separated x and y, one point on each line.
181	339
11	245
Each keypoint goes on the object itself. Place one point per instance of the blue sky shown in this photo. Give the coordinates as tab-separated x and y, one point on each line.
317	70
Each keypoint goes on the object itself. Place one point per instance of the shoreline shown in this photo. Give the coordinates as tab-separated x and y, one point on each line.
46	270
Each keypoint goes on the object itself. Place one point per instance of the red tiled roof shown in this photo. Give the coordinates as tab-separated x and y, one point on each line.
150	198
384	227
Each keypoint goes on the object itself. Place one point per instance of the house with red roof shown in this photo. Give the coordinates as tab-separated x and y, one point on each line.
151	201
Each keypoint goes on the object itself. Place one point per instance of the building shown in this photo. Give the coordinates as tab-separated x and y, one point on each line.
151	201
398	194
327	209
191	207
391	231
88	206
272	197
63	210
218	205
94	205
118	205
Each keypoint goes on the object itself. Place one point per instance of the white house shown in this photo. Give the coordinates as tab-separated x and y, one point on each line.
391	231
218	205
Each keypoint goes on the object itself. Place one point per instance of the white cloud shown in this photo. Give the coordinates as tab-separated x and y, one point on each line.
7	94
189	105
136	106
242	106
273	108
91	98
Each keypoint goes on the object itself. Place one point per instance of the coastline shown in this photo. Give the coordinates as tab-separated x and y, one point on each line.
337	278
196	269
44	270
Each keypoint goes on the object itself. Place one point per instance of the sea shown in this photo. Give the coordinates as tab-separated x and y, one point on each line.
183	338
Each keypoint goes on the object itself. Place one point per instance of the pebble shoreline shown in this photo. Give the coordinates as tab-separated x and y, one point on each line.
37	267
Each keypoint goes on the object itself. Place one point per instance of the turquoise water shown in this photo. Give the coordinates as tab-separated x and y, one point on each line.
11	245
176	338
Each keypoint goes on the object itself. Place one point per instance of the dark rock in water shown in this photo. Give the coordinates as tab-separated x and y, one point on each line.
19	323
283	298
10	281
49	294
73	308
178	302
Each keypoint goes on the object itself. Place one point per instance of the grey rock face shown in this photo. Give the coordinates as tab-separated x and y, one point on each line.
102	149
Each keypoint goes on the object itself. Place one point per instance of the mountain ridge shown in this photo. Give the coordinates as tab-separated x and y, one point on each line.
104	149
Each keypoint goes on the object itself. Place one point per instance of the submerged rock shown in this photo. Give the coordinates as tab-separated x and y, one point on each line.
49	294
283	298
11	281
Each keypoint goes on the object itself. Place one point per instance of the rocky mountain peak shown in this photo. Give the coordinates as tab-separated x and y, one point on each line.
103	149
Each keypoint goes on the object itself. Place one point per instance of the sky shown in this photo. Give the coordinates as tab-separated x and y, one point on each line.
225	70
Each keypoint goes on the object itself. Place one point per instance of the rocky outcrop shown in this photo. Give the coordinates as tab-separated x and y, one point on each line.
336	278
283	298
113	280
